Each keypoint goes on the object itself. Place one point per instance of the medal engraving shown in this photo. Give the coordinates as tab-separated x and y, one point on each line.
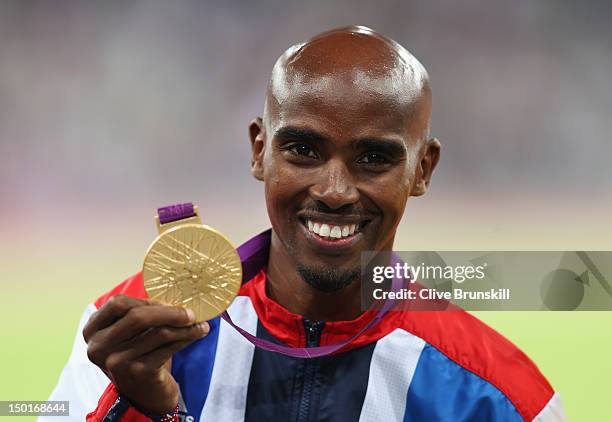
193	266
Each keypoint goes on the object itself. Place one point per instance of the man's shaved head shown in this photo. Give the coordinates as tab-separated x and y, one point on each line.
355	56
343	143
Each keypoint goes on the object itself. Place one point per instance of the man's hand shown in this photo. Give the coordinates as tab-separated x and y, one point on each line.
133	340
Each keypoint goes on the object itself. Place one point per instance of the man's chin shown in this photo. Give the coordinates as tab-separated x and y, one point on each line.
328	279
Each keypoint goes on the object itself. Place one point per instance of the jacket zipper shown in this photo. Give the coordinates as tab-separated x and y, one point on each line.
313	331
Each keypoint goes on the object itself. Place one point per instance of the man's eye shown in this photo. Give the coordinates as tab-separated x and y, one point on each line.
374	158
304	150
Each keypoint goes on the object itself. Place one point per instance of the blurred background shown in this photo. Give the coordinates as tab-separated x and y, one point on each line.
111	109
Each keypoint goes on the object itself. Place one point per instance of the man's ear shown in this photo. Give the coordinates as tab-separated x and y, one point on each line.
256	136
426	166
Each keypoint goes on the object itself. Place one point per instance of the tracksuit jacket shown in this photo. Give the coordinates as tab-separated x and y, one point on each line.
412	366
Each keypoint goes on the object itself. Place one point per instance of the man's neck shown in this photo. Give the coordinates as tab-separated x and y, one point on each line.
285	286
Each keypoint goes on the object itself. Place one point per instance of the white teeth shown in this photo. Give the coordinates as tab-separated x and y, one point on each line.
345	231
336	232
324	230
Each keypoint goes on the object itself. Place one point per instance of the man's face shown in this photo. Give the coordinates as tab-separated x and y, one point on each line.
339	159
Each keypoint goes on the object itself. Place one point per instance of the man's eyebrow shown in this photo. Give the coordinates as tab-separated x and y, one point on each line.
388	146
289	133
393	148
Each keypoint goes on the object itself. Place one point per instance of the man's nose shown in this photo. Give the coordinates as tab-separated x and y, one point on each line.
334	186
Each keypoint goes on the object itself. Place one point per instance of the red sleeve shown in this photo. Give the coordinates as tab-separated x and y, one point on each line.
109	397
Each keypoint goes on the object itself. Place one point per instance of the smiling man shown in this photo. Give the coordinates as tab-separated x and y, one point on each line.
343	143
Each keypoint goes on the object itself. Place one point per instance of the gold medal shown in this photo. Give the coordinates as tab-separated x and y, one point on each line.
192	265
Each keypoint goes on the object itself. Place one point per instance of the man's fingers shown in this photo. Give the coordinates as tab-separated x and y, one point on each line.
142	318
111	311
154	339
160	337
158	357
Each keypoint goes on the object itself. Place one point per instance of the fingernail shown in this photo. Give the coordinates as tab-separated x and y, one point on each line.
190	315
204	327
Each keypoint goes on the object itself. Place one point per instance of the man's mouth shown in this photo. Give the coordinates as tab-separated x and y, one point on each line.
331	231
